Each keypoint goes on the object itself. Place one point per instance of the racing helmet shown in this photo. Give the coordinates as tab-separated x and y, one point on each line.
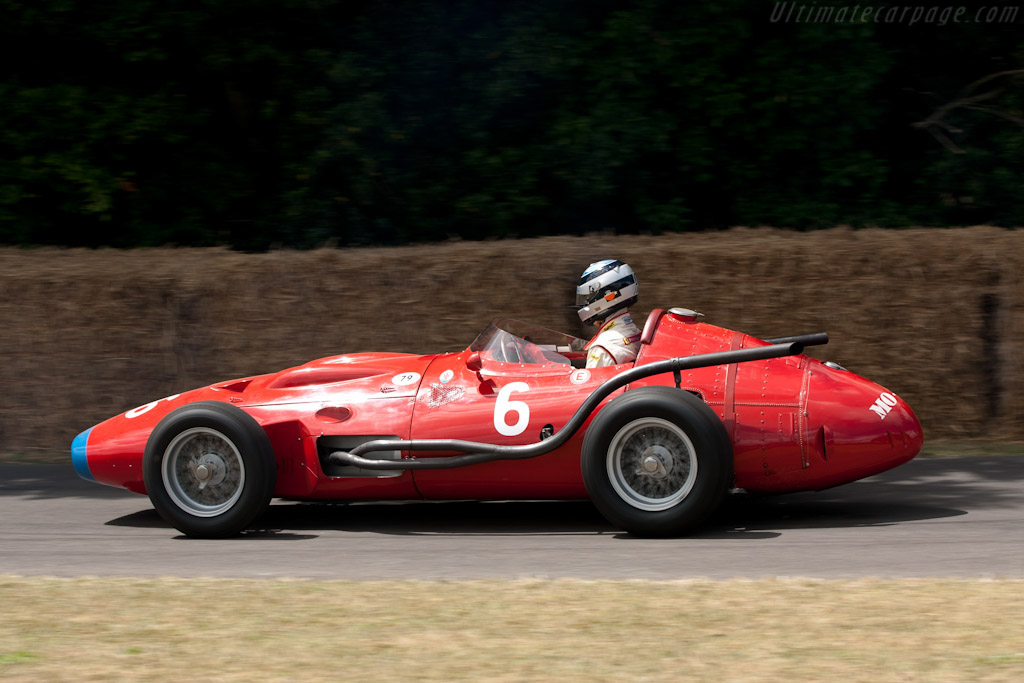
605	287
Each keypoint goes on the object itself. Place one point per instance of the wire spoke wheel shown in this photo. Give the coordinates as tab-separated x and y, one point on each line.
203	472
209	469
656	461
652	464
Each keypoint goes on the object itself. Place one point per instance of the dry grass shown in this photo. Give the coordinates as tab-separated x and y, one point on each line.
768	630
971	447
935	315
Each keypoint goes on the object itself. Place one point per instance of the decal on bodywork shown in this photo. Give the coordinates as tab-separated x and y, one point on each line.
405	378
505	405
581	376
441	394
883	405
142	410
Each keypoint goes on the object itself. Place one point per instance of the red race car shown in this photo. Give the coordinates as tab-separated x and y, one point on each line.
655	444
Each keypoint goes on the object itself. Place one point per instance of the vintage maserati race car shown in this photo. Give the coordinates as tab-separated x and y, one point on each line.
655	444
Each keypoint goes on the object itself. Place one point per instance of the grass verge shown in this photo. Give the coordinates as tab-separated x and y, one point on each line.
945	449
802	630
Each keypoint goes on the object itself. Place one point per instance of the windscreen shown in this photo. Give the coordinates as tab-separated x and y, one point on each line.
514	341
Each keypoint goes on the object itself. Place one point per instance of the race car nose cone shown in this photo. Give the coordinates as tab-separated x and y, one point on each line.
859	427
79	455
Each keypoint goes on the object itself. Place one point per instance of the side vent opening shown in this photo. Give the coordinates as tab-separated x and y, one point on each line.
237	387
326	445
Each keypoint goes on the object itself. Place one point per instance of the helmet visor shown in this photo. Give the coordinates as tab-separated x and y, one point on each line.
609	292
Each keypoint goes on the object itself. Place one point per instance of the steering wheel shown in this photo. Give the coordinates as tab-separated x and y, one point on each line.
510	347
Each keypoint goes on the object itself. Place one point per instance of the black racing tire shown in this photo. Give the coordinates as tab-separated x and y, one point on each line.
209	469
657	461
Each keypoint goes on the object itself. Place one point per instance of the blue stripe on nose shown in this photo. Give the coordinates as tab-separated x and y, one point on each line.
78	455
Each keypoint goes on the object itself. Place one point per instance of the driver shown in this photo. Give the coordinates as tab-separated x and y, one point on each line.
606	288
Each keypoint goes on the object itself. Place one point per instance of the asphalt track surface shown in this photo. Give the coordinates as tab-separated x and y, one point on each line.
933	517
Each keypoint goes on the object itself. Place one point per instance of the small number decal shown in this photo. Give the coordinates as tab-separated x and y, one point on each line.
405	378
504	406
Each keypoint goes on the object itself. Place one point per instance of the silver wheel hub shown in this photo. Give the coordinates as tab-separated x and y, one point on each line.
210	470
203	472
652	464
656	463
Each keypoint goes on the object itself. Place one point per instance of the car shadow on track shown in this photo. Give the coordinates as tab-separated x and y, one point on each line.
925	489
457	518
741	517
151	519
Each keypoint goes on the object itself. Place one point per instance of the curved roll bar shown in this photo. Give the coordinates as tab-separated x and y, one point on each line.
476	452
813	339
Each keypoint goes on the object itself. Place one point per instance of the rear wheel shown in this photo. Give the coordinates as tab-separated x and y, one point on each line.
209	469
656	461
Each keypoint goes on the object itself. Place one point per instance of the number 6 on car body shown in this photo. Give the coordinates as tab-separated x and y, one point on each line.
504	406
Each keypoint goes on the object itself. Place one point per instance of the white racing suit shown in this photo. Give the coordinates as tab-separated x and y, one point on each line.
618	341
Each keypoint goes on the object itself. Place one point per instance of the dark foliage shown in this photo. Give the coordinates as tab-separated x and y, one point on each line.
310	122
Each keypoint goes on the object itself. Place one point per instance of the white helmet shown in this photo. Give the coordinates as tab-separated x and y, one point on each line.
605	286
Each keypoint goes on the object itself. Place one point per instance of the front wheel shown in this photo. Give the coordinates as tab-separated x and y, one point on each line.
209	469
656	461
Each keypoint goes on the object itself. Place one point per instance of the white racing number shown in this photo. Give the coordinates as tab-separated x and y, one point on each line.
142	410
504	406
